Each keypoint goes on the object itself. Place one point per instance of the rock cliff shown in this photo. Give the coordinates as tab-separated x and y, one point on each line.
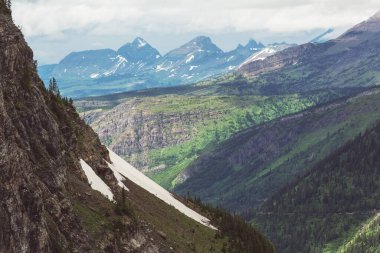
44	194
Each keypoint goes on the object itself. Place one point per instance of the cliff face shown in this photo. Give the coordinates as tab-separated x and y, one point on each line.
41	141
133	128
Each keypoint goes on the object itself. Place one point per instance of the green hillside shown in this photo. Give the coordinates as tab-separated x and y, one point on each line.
366	239
253	165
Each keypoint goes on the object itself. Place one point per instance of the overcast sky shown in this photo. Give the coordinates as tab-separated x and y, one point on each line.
55	27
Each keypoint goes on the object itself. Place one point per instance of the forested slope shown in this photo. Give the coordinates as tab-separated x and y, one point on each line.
330	202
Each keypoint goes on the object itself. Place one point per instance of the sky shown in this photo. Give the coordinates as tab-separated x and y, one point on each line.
54	28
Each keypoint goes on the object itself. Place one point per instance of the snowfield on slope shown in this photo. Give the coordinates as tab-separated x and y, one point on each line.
122	170
95	181
125	169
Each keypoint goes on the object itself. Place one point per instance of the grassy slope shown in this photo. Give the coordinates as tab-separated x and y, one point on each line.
256	163
167	226
239	114
366	239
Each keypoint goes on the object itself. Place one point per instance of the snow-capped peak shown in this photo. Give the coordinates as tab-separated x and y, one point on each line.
140	42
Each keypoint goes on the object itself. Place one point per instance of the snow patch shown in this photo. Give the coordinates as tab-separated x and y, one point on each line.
121	62
118	176
266	52
141	42
94	75
190	58
192	67
161	68
128	171
95	181
230	58
260	56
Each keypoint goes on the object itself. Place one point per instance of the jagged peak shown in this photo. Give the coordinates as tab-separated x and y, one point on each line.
139	42
203	42
202	38
139	49
254	43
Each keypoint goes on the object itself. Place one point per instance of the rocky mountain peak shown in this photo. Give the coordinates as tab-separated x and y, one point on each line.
204	42
139	42
200	46
139	50
253	44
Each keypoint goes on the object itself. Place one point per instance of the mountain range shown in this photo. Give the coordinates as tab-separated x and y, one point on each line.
138	65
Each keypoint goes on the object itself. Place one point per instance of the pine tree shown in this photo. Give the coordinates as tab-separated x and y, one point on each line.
53	87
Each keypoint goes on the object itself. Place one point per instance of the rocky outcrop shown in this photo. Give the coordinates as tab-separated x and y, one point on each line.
42	139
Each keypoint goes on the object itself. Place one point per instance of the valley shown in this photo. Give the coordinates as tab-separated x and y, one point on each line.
244	171
163	134
288	141
265	148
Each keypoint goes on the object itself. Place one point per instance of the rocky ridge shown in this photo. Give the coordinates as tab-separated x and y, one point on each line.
43	189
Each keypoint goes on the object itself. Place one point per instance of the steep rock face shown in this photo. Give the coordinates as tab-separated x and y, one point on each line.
41	141
34	151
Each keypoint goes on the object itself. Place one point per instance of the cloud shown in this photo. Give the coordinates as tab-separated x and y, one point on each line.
55	28
114	17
